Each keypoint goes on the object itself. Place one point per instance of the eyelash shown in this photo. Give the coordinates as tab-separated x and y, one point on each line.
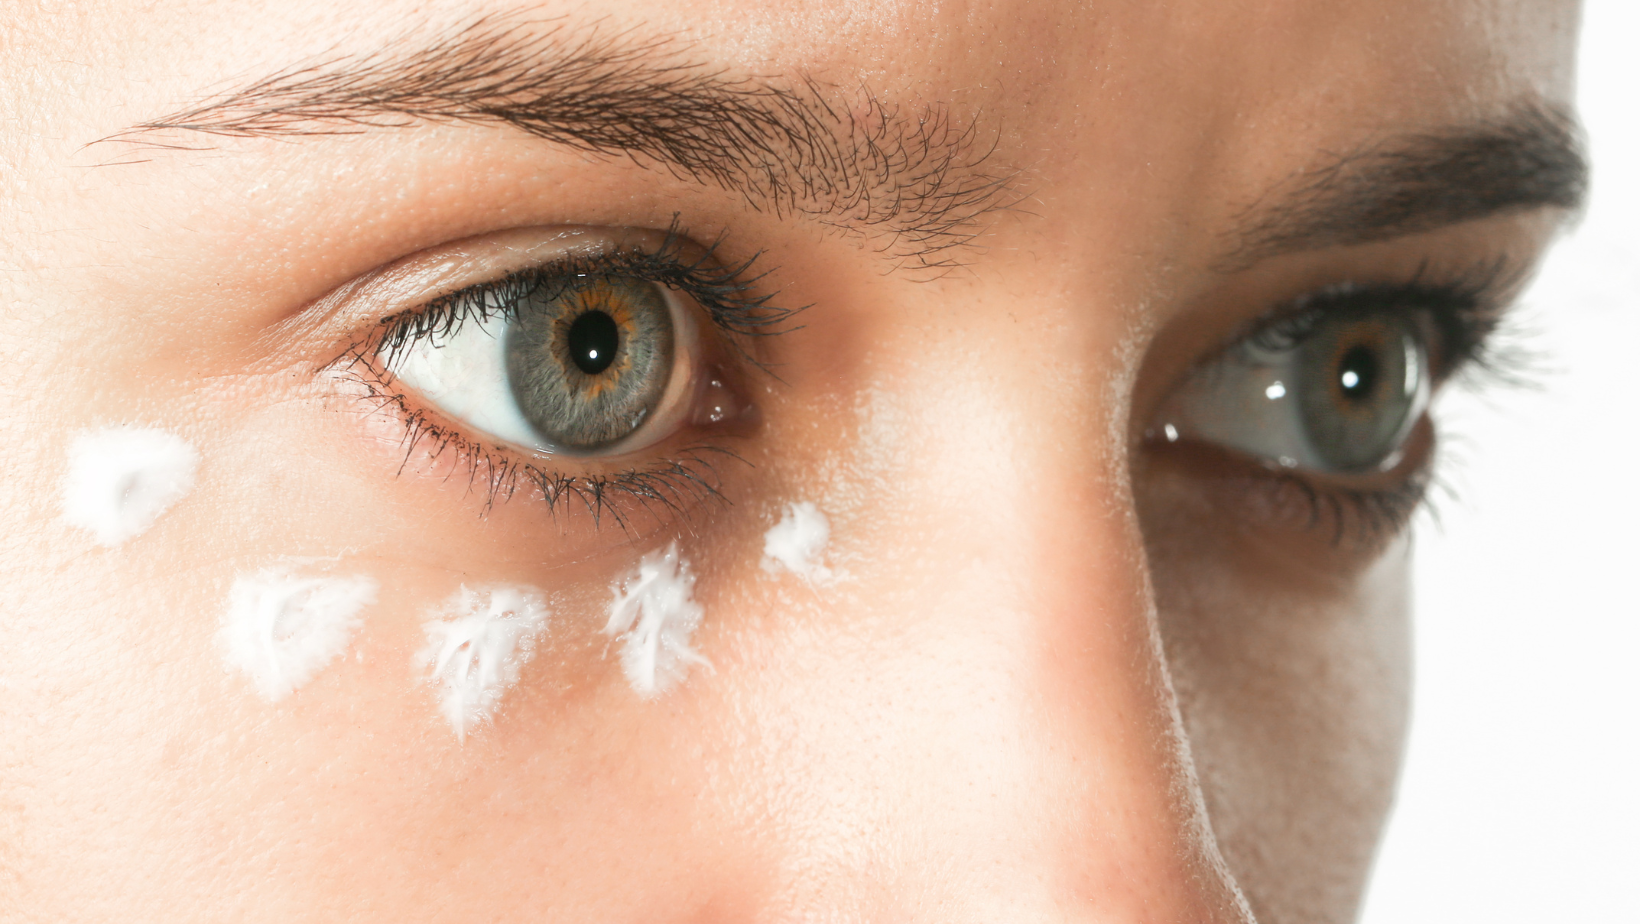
1466	312
729	294
1465	308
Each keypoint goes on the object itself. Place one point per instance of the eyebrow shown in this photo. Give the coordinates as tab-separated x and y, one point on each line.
919	181
1529	158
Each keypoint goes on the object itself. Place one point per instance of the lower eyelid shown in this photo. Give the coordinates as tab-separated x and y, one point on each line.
1351	513
654	488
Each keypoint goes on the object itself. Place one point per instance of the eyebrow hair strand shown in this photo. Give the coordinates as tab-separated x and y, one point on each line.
920	181
1529	158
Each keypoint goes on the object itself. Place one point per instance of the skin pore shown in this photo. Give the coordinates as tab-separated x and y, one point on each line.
1066	669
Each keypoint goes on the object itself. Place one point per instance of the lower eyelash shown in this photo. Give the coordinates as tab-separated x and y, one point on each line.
1358	517
1258	495
669	488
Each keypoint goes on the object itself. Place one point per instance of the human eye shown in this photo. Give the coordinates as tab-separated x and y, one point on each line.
570	358
1331	395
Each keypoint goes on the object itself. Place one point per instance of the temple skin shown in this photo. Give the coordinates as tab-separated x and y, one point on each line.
1064	675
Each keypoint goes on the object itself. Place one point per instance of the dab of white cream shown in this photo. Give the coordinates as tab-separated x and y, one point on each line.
798	543
122	478
282	627
654	614
475	651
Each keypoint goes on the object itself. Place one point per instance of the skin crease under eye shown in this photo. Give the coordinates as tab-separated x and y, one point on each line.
1067	673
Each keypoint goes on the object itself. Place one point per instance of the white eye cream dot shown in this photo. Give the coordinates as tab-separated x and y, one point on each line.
282	627
798	543
654	614
121	479
477	643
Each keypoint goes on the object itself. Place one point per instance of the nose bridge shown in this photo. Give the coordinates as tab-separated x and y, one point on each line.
995	735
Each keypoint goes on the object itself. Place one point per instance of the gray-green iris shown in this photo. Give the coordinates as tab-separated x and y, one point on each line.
1360	382
589	362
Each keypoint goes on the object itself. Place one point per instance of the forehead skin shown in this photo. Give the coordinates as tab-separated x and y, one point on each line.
1132	135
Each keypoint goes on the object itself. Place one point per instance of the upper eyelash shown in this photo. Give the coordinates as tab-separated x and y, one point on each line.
728	292
1465	308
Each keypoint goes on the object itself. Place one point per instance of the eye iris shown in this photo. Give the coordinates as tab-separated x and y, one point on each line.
1353	419
587	363
592	341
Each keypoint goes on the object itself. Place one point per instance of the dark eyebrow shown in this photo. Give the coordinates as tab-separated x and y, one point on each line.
1529	158
917	180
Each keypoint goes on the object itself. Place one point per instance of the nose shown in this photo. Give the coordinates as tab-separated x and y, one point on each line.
974	720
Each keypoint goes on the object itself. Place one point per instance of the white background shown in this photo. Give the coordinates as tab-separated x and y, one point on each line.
1519	801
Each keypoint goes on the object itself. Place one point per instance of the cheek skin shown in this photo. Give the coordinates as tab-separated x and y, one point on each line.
976	680
1293	672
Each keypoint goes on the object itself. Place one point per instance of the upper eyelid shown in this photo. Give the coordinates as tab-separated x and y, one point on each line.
356	309
728	293
331	328
1467	305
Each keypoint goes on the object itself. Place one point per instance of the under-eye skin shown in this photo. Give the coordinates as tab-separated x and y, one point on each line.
477	644
573	372
1330	396
286	622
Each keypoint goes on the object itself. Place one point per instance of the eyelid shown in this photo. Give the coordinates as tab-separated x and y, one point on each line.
425	278
1461	310
337	321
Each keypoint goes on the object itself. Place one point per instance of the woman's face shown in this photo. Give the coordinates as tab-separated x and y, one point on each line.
1034	393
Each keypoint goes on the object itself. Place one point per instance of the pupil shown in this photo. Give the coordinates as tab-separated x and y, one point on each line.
1358	373
593	340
